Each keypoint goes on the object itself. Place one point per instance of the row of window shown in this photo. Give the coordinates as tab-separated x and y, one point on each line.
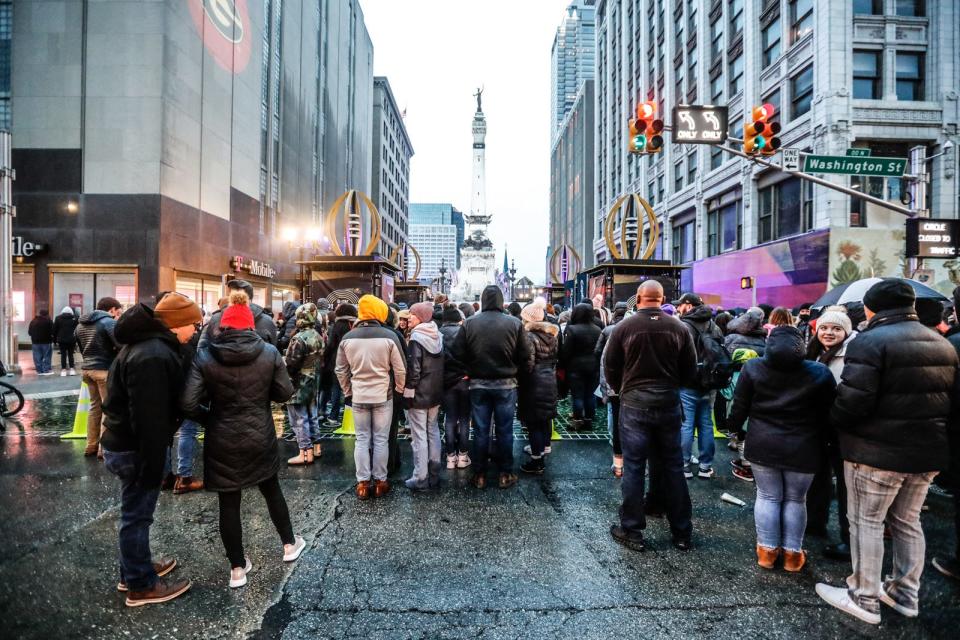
910	8
868	75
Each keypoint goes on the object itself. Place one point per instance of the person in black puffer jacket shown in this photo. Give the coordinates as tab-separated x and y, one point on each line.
346	317
64	327
141	414
892	414
266	327
456	394
237	375
746	332
581	363
787	400
422	395
492	347
537	406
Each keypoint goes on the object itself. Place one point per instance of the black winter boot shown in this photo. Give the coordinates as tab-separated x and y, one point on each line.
534	466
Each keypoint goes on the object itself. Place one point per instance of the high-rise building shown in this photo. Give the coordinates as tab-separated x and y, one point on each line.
391	166
572	60
572	179
877	75
477	254
165	145
437	246
439	213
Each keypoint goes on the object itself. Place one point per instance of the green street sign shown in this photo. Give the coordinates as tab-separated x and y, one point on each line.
858	152
853	166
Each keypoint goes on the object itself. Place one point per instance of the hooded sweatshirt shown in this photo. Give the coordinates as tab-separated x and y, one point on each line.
787	400
747	331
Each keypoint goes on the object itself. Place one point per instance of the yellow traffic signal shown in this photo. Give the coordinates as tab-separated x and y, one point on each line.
652	127
760	135
637	142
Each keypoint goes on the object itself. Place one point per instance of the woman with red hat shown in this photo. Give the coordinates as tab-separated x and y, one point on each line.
231	384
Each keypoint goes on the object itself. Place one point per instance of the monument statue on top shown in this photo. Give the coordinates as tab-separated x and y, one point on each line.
478	95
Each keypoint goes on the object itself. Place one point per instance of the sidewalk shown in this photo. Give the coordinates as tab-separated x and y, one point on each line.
33	386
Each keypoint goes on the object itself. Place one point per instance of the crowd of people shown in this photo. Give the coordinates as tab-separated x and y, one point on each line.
857	400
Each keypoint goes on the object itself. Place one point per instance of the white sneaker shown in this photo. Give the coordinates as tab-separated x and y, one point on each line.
298	546
694	460
73	371
452	461
236	583
839	597
886	599
528	450
463	461
63	373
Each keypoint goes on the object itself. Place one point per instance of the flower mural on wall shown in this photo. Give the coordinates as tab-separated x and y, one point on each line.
848	270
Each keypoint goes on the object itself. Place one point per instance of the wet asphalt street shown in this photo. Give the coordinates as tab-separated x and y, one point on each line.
533	561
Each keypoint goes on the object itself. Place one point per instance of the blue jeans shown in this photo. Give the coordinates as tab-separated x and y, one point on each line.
43	357
581	395
697	413
137	505
497	406
613	424
781	509
372	424
540	434
332	394
654	433
187	447
305	422
456	418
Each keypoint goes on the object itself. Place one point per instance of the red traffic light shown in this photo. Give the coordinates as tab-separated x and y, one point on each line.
646	110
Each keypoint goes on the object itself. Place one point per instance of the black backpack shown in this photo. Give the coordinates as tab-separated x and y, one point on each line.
715	368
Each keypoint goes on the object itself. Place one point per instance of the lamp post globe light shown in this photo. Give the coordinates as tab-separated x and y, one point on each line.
443	275
513	277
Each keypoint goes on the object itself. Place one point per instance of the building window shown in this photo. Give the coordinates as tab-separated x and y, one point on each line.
801	92
678	176
716	40
868	7
716	89
684	243
912	8
736	19
716	157
774	99
692	168
724	227
909	76
801	19
866	75
736	75
770	38
786	209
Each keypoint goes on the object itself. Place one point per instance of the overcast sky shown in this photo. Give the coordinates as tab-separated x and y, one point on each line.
435	54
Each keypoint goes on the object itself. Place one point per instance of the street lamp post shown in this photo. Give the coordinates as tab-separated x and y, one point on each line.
443	273
513	278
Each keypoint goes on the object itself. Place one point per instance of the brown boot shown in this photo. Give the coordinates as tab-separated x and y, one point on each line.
382	488
793	561
163	566
304	457
317	449
363	489
767	558
507	480
163	590
90	450
186	484
479	481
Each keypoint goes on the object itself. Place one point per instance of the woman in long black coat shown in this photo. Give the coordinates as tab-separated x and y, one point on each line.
537	402
229	389
582	365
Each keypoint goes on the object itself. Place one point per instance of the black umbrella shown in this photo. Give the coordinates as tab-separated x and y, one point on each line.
854	292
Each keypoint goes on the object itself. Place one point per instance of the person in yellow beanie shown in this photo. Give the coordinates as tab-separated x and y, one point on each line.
367	357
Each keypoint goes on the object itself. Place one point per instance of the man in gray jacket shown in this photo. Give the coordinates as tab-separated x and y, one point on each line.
99	348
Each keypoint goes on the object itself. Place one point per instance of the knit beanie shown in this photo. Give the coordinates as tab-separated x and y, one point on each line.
372	308
535	311
306	315
423	311
466	309
451	314
346	310
177	310
930	311
238	314
889	294
837	318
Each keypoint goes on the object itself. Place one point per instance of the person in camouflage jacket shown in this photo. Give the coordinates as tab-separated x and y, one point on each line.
304	359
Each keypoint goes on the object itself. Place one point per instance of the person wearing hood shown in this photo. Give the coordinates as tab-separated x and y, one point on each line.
141	414
895	415
787	400
265	326
99	348
514	309
537	404
746	332
233	380
331	396
492	346
609	395
287	325
581	364
370	360
422	394
829	346
64	327
466	309
303	358
456	393
697	400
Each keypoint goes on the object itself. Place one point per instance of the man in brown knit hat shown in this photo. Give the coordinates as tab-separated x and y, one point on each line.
144	390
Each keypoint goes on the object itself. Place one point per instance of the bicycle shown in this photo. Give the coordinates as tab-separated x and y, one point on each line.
11	400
